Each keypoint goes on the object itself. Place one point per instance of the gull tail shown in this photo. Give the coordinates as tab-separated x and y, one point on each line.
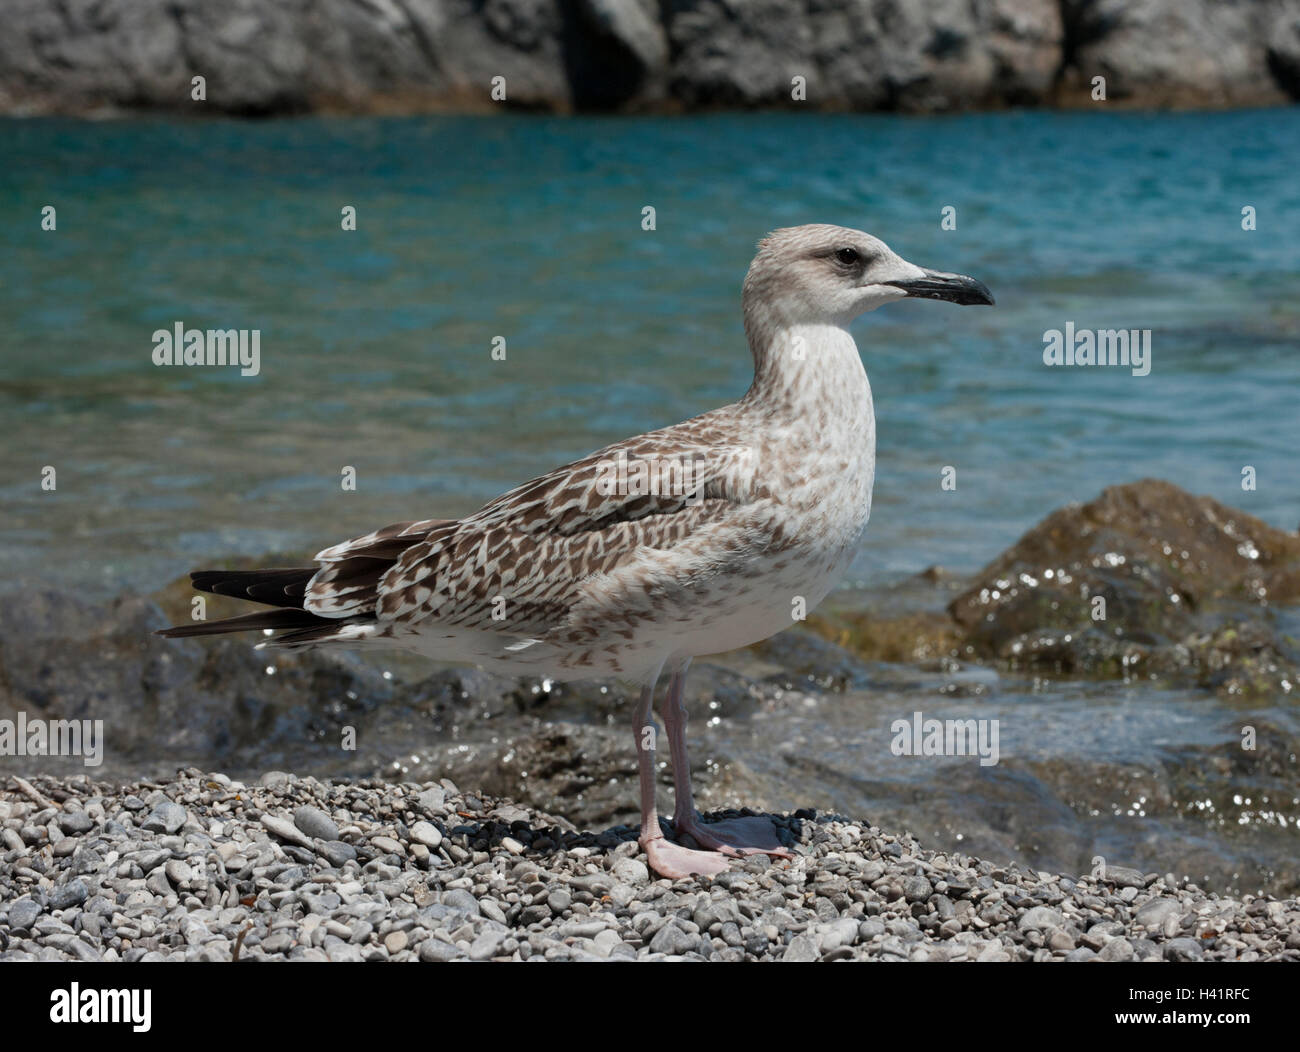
284	589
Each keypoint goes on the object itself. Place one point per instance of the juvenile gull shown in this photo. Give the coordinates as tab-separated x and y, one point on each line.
692	540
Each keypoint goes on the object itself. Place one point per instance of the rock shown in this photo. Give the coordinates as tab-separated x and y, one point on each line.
1154	913
437	950
1118	949
1206	51
1123	877
23	914
1183	950
284	830
314	823
167	817
337	853
427	834
1040	917
631	871
1032	607
486	946
802	948
178	872
81	951
462	901
65	896
1061	941
75	822
993	952
261	57
148	861
671	940
339	951
280	942
917	889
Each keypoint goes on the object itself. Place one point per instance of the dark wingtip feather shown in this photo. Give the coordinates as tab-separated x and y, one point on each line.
260	619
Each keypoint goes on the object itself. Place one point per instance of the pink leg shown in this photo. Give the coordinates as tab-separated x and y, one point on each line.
733	836
666	858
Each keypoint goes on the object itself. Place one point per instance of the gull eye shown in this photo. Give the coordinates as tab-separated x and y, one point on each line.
848	256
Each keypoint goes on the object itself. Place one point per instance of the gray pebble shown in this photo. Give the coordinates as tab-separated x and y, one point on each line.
1040	917
1118	949
427	834
434	950
1183	950
315	823
917	889
486	945
337	853
73	893
23	914
631	871
1154	913
76	822
671	940
459	899
285	830
167	817
1122	876
803	948
178	872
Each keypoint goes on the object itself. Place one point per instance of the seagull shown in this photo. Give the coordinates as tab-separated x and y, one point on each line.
695	539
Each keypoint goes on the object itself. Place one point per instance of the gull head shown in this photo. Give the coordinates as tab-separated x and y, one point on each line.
828	275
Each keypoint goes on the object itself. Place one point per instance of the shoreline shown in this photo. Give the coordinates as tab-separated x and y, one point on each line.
200	867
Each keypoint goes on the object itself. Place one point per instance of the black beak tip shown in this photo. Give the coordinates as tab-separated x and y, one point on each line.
954	288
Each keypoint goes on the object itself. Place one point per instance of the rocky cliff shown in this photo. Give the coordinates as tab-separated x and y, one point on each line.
285	56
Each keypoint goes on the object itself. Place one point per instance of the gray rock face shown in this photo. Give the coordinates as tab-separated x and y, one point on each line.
260	56
878	56
1172	53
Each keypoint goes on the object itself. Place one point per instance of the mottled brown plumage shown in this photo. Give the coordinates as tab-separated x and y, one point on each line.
694	539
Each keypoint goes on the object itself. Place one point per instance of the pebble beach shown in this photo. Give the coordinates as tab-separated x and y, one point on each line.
202	867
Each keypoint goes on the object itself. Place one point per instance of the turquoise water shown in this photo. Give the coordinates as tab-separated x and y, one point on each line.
376	344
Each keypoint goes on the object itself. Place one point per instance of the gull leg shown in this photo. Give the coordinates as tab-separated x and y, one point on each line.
732	836
666	858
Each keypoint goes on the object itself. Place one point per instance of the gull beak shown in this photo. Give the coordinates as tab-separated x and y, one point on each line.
955	288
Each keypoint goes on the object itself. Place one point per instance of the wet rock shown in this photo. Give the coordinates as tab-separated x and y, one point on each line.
1147	580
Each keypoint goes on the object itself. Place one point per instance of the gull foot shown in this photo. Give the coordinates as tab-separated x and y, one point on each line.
675	862
736	836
